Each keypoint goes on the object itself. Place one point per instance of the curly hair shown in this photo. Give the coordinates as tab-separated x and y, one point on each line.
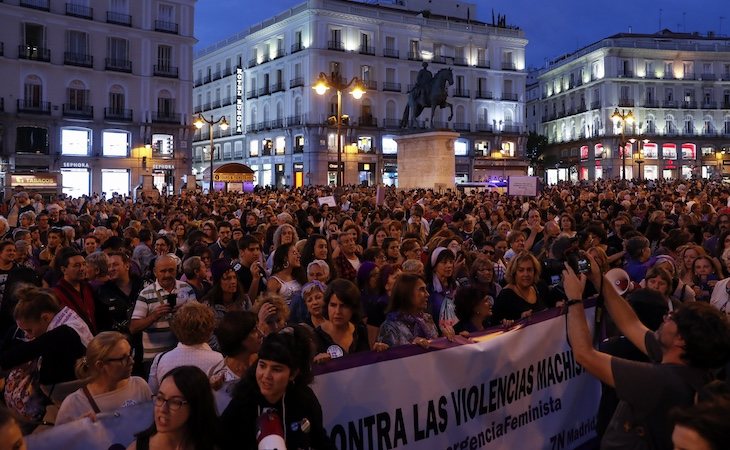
706	335
193	323
282	310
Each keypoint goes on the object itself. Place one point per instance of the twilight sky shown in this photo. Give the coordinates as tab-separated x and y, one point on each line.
552	27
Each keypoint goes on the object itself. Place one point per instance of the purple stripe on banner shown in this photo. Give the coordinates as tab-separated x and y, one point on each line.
404	351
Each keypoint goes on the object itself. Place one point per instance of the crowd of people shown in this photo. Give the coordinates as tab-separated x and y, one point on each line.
217	306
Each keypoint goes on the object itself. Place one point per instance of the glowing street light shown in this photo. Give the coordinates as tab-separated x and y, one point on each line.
625	117
223	125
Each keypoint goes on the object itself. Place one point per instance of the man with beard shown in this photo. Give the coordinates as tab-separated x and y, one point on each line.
692	340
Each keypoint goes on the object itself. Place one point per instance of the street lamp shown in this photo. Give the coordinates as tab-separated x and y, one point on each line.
323	84
199	122
639	154
719	155
625	118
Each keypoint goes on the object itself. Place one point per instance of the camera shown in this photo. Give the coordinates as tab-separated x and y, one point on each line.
172	300
577	259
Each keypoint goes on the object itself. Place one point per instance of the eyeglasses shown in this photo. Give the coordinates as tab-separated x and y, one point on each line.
174	404
126	359
488	252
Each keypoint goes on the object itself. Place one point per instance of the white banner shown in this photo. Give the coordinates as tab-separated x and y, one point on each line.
515	389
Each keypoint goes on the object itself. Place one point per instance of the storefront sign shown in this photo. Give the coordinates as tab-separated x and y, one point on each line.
233	177
239	100
46	180
163	167
80	165
298	166
333	166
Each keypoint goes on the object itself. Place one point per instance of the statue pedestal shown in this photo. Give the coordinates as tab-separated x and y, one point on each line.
426	160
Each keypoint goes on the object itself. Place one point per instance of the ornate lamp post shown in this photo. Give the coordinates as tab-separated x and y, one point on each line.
321	86
625	117
199	122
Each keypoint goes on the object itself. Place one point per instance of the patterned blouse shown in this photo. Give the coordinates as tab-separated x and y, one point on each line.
402	328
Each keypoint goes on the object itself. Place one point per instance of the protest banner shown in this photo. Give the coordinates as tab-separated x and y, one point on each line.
515	389
511	389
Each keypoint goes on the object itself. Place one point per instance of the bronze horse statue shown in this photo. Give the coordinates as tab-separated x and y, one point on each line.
431	95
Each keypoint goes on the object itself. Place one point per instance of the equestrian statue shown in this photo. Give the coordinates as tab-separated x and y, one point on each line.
429	92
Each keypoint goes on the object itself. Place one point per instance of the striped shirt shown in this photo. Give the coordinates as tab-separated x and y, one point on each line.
158	337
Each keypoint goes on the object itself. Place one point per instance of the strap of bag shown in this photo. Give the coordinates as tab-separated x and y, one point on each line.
90	398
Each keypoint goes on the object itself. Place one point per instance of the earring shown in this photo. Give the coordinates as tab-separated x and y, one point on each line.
286	264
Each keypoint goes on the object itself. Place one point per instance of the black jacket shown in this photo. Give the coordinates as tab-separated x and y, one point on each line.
239	418
8	300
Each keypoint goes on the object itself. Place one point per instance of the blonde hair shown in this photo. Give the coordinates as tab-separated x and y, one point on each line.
97	350
282	310
519	258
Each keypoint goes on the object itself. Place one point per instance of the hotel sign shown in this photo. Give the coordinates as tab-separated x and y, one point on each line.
233	177
239	100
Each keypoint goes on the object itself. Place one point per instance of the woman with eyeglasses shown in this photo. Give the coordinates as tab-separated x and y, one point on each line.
279	383
184	414
481	276
108	367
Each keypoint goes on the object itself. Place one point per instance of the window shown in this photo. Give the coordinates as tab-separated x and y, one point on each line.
390	147
34	38
78	96
115	143
669	151
461	147
226	150
114	181
508	149
75	141
162	145
364	144
689	126
33	92
481	148
253	148
164	58
687	70
75	182
390	42
166	13
119	6
689	151
117	50
299	143
165	104
77	43
650	125
668	70
31	140
280	145
267	146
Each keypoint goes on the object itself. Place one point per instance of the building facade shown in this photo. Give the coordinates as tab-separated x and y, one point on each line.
261	80
96	94
675	87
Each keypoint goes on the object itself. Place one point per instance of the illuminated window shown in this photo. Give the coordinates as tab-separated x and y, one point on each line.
253	149
162	145
75	141
390	147
115	143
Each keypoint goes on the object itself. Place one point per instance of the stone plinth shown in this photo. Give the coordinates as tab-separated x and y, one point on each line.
426	160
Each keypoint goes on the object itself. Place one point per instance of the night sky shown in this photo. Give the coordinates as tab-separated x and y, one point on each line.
552	27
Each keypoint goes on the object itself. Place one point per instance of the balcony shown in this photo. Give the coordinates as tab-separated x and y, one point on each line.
336	45
626	74
294	121
391	87
118	65
216	75
81	11
207	106
206	79
297	47
510	97
370	84
119	114
651	103
439	125
509	66
197	109
166	27
708	77
415	56
215	104
252	63
43	5
461	62
119	19
391	123
462	93
78	59
226	101
669	103
626	103
689	105
251	94
277	87
709	105
366	50
165	70
165	117
78	111
725	105
34	107
250	128
34	53
264	91
484	127
276	123
510	128
460	126
483	63
484	95
280	53
391	53
689	76
368	121
438	59
296	82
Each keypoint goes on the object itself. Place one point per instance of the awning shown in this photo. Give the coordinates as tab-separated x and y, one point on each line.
230	173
